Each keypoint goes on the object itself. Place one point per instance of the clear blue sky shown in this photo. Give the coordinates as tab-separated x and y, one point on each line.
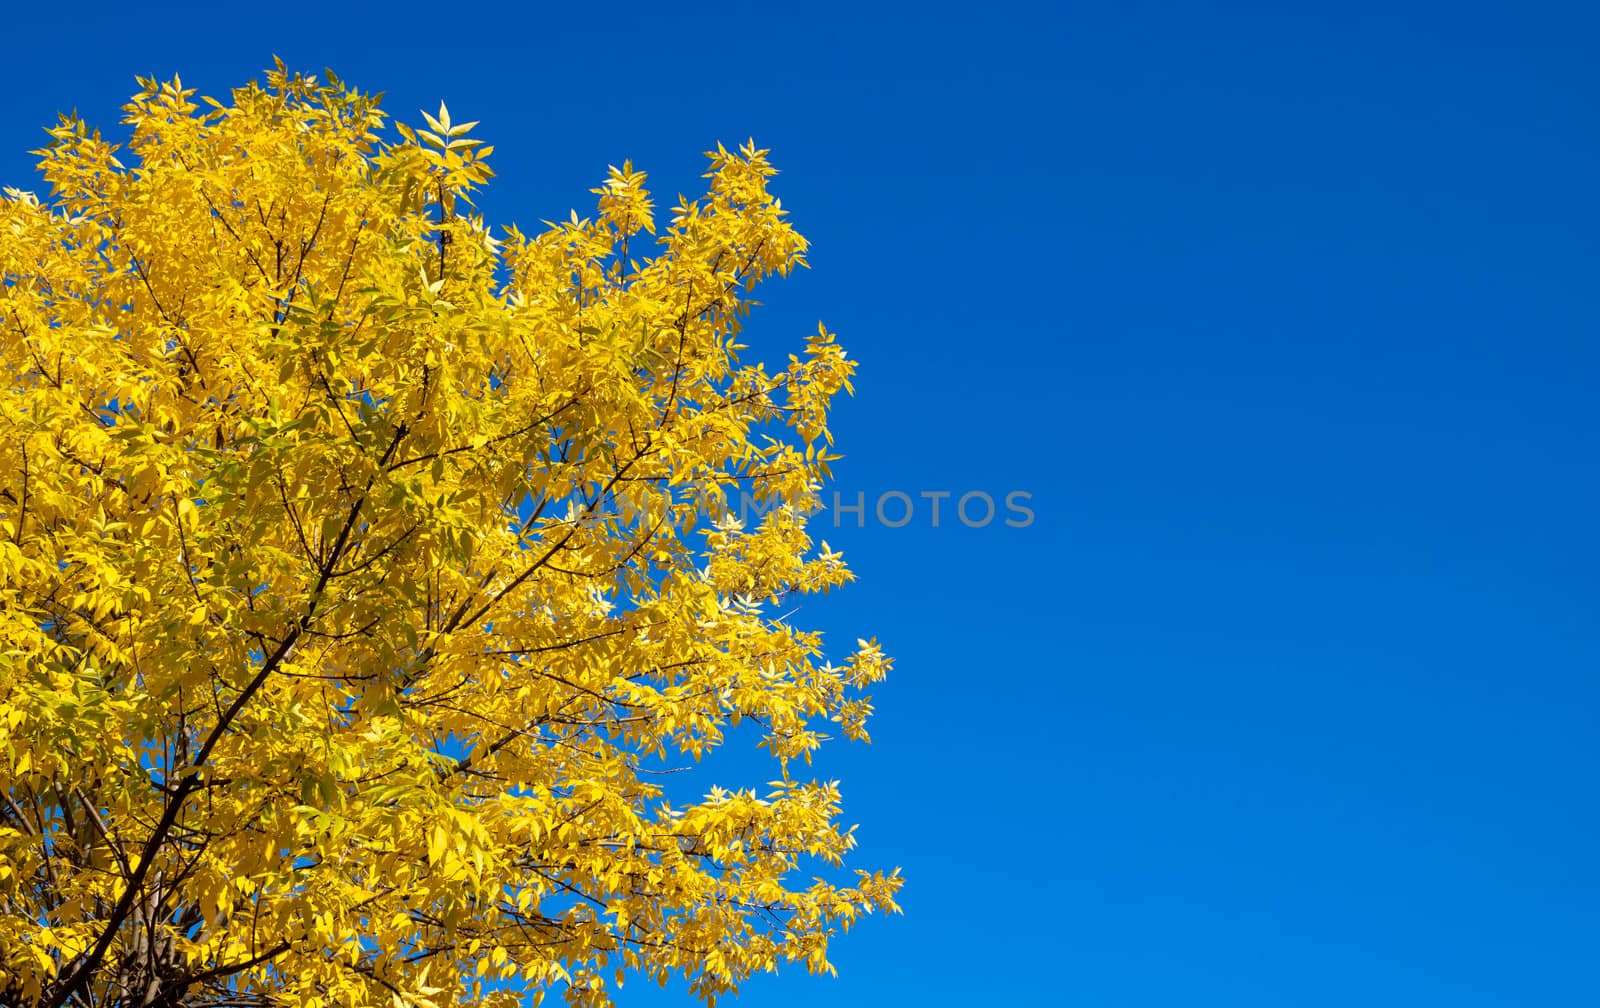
1287	321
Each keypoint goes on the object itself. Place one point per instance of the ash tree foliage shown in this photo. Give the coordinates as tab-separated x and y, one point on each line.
357	590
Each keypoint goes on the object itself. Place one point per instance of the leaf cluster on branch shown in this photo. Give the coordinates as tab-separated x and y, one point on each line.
357	591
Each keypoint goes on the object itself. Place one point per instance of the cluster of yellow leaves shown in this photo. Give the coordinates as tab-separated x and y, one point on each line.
354	584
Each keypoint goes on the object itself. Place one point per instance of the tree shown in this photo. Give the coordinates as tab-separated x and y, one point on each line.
361	582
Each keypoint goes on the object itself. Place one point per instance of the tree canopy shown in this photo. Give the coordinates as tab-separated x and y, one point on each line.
363	581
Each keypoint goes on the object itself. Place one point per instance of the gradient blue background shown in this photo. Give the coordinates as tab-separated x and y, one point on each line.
1286	318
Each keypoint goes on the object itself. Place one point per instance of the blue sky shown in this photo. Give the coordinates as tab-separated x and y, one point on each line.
1285	317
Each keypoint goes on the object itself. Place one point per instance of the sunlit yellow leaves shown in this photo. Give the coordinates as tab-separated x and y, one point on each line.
365	579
